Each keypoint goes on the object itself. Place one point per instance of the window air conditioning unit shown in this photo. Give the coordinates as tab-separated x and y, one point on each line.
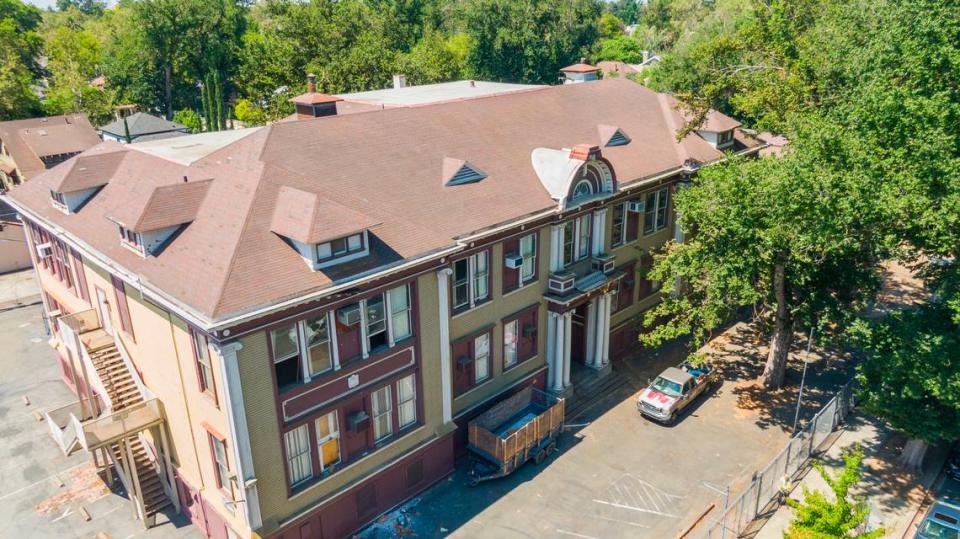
358	421
349	316
45	250
636	206
513	261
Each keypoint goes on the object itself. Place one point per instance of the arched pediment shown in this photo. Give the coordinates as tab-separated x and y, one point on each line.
574	176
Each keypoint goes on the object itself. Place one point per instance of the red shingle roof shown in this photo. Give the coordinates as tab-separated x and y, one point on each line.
580	68
30	139
380	167
315	98
166	206
309	218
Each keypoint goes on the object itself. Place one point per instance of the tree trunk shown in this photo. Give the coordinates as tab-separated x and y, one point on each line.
776	367
912	455
168	89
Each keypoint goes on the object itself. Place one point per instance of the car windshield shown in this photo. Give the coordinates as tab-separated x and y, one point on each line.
936	530
666	386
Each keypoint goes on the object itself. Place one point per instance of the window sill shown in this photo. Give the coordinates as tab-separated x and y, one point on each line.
517	364
462	311
525	286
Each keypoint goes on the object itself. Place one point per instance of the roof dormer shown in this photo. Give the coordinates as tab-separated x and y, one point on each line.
323	232
82	178
459	172
612	136
146	226
313	104
717	129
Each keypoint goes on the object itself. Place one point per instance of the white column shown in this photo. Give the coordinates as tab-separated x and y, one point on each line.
599	231
239	432
551	344
446	374
590	329
567	334
597	328
605	355
556	247
556	373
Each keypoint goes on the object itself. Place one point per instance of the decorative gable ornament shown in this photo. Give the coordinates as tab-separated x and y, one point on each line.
612	136
459	172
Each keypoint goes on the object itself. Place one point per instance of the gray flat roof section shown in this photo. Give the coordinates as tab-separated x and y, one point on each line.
411	96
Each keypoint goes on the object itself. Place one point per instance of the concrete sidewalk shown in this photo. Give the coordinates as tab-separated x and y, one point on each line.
18	288
894	495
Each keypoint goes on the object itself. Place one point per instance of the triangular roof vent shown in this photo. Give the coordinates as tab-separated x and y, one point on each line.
458	172
612	136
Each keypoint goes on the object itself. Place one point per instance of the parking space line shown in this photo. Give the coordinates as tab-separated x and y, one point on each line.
565	532
639	509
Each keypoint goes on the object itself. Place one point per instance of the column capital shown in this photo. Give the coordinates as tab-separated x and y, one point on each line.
445	272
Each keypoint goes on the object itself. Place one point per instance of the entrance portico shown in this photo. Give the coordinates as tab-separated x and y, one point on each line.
578	328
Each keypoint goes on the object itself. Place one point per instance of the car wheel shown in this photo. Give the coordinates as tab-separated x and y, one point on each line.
672	419
540	456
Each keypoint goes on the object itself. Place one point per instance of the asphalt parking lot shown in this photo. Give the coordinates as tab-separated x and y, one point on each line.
619	475
41	490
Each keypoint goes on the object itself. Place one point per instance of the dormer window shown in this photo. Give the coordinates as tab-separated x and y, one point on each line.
132	240
725	139
340	247
583	189
59	201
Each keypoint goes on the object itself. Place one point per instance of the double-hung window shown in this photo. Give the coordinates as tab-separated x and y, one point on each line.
400	324
382	417
299	464
511	342
528	250
583	236
204	368
328	439
655	213
481	358
407	401
317	333
376	323
619	224
339	247
221	469
471	281
576	239
286	356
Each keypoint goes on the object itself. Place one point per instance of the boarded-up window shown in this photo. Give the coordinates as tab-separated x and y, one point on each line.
471	361
366	500
624	297
414	473
520	337
123	310
80	275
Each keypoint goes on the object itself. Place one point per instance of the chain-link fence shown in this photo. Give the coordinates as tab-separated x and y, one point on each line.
738	511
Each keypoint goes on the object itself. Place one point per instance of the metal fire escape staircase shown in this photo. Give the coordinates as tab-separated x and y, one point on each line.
112	419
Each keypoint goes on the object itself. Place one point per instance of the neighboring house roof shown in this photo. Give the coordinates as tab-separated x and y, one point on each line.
379	167
29	140
141	124
580	68
613	66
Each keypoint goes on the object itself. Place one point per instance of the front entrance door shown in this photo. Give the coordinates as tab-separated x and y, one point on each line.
103	310
578	335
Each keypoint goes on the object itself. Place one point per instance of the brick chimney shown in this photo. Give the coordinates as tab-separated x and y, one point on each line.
582	152
311	83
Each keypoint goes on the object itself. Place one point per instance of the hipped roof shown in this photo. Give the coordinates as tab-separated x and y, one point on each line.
381	167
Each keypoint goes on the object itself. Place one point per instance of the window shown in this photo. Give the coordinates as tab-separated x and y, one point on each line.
724	139
204	369
123	310
376	327
221	469
520	337
400	323
382	418
328	439
132	239
618	224
299	465
511	341
655	214
58	198
317	333
339	247
528	250
583	189
407	401
481	358
623	293
286	356
471	281
583	236
568	242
